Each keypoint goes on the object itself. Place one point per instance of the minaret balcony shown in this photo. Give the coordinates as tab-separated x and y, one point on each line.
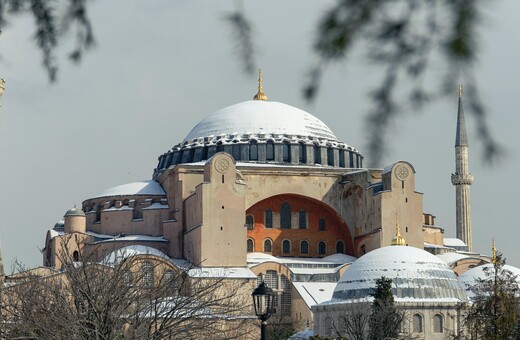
460	179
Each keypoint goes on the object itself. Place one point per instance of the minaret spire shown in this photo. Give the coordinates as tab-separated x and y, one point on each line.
260	94
462	178
493	251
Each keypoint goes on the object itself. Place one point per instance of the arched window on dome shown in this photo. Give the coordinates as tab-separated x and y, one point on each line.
340	247
268	246
269	150
302	153
250	245
220	147
417	326
317	154
236	152
250	222
342	158
322	248
304	247
330	156
285	216
253	151
286	247
286	152
75	256
438	321
351	159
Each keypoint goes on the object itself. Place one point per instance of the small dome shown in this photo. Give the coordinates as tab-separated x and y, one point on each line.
147	187
469	278
261	117
60	225
74	212
415	273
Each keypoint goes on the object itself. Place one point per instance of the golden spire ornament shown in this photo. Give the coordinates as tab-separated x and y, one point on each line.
493	251
260	95
398	240
460	90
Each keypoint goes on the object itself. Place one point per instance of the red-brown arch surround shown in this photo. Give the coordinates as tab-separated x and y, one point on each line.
336	228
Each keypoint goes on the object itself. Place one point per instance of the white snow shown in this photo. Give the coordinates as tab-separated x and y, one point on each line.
119	238
147	187
302	335
129	251
156	206
451	258
454	242
214	272
261	117
470	277
314	293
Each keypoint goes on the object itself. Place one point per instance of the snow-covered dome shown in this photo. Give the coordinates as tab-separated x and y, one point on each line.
470	277
126	252
148	187
415	273
261	117
74	212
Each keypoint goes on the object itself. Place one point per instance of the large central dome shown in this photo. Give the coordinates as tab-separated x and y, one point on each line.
261	117
263	132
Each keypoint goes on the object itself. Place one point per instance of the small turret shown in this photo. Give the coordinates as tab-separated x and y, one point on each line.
75	221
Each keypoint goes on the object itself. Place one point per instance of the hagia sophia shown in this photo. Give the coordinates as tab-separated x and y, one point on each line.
264	191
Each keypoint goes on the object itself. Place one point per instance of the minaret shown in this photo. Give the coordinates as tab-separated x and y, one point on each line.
462	179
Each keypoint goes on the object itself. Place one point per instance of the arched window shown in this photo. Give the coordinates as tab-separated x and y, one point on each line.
342	158
250	222
317	154
250	245
302	153
321	224
147	274
330	156
75	256
304	247
268	246
269	151
437	323
286	246
285	216
253	151
128	278
235	152
271	279
220	147
268	222
340	247
286	152
417	323
138	212
322	248
302	219
169	276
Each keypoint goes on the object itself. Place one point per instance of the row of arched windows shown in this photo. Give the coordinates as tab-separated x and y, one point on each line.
285	219
418	324
287	246
254	151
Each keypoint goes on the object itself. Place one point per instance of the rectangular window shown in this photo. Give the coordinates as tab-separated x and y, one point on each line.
302	220
322	225
268	218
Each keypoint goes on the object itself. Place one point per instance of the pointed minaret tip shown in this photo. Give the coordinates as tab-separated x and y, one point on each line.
493	251
461	139
260	95
460	91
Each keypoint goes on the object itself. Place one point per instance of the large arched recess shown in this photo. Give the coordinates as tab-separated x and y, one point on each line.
336	230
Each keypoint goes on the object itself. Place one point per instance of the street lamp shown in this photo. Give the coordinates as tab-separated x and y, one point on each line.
263	300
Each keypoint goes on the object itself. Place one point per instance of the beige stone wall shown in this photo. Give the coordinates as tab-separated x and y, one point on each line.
433	235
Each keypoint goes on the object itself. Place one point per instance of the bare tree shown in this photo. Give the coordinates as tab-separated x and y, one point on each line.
142	296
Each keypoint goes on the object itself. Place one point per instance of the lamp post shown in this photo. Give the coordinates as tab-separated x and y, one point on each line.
263	299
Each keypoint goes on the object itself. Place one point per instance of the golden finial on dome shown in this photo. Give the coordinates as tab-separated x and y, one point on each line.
398	240
260	95
460	90
493	251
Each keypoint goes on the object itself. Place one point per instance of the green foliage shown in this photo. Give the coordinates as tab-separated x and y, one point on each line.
495	310
385	320
404	37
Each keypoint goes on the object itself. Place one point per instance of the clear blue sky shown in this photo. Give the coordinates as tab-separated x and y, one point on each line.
160	67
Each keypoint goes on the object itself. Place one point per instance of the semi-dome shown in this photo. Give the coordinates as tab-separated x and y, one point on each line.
256	117
147	187
415	273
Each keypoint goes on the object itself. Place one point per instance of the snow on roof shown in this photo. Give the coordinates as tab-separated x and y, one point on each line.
415	273
214	272
147	187
314	293
302	335
261	117
454	242
451	258
156	205
129	251
126	238
470	277
337	259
